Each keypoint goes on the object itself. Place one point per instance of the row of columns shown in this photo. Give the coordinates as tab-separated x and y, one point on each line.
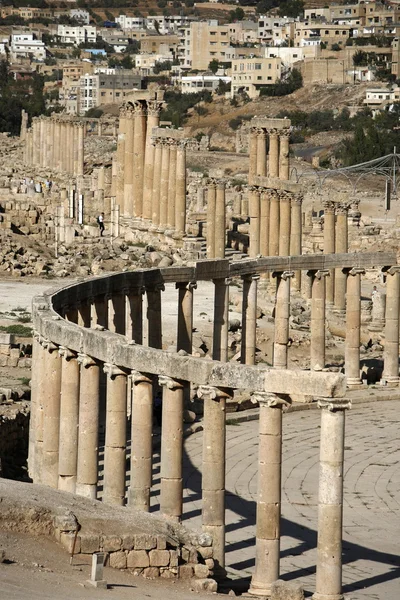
277	164
336	242
216	220
56	143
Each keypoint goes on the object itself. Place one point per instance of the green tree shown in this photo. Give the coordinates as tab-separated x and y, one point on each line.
214	66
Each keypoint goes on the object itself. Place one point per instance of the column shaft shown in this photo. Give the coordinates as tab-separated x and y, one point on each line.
69	421
185	316
329	247
254	215
264	224
317	362
284	166
153	119
180	202
134	326
284	225
172	187
221	320
249	320
296	236
156	185
142	442
261	153
128	161
164	186
340	247
154	317
273	154
138	157
220	221
282	314
211	201
391	351
353	326
274	225
51	414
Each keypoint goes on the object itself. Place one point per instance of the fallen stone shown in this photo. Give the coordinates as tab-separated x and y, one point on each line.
204	585
284	590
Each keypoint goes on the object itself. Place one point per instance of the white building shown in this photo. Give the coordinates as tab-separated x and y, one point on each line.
131	22
81	15
146	62
197	83
169	24
23	45
77	35
378	96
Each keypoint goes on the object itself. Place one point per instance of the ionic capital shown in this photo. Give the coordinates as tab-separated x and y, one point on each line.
87	361
186	285
283	274
136	291
320	274
356	271
334	404
223	281
155	287
212	393
139	377
113	371
171	384
270	399
251	277
66	353
49	345
392	270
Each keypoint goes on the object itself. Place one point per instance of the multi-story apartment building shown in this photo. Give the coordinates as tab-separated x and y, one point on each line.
309	33
77	35
131	22
23	45
69	93
168	24
243	32
106	86
159	44
203	42
145	63
249	75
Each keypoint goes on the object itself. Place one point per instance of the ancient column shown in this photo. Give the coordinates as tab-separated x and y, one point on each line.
115	442
171	448
284	170
340	247
264	223
51	414
273	161
185	316
254	215
261	153
155	200
35	141
249	320
180	201
284	224
36	396
99	312
353	326
317	361
164	185
221	320
330	499
139	144
296	235
269	494
329	246
81	149
86	481
69	420
56	156
282	314
117	313
128	160
154	315
153	119
391	350
213	468
84	313
172	186
24	124
141	442
42	141
134	324
252	155
220	221
120	188
211	201
274	224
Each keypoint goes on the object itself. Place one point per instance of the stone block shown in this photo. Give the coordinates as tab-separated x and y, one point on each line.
7	339
65	522
204	585
283	590
189	554
118	560
173	558
201	571
90	544
167	574
161	543
138	558
159	558
145	542
111	543
151	572
209	563
128	542
67	542
185	572
206	552
205	540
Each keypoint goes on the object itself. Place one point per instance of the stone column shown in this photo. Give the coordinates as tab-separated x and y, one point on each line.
84	313
172	186
117	313
76	148
317	362
254	215
153	119
268	495
115	442
42	152
213	468
211	201
87	470
264	224
154	316
164	185
221	320
142	442
156	185
391	350
284	224
296	235
99	312
220	221
353	326
274	224
171	448
134	325
36	398
81	149
35	142
282	314
51	414
261	153
284	166
330	499
180	201
340	247
128	160
120	190
69	421
139	145
252	154
273	161
249	320
56	157
329	246
185	316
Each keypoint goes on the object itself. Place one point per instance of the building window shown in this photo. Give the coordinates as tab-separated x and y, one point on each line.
258	66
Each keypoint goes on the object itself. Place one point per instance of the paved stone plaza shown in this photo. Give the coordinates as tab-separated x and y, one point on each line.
371	500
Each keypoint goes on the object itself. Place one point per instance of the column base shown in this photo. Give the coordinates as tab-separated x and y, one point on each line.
318	596
88	490
67	483
391	382
355	383
259	590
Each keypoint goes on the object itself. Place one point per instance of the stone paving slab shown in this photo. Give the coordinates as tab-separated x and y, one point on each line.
371	502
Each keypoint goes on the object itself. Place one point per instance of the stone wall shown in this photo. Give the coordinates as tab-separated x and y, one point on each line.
14	433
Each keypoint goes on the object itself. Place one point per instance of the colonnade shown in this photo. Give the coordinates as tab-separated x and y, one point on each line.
56	143
336	241
216	219
275	133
